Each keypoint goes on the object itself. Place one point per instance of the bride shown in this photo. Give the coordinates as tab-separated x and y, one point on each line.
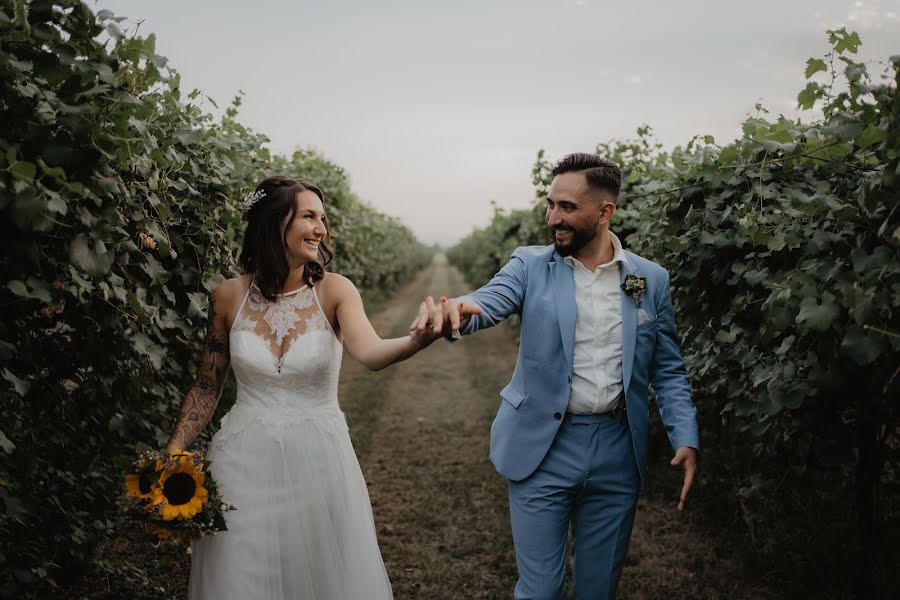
303	526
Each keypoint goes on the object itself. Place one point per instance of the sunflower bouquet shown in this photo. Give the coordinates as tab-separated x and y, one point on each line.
174	496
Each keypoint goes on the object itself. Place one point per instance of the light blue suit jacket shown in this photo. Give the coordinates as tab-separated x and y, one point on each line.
539	285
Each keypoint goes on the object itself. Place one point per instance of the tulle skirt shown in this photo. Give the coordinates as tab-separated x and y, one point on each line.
303	526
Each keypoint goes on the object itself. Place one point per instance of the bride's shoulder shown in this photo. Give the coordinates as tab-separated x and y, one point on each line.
336	287
228	295
231	291
233	285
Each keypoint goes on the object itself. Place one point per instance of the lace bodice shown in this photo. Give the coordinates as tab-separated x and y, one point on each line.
285	353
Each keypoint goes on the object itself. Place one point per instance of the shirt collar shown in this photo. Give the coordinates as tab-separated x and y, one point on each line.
618	255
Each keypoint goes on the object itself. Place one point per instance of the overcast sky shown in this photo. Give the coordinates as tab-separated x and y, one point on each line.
435	108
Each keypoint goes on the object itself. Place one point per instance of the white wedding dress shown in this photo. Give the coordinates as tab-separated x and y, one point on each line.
302	528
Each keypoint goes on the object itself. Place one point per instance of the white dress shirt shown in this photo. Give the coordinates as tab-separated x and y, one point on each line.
597	370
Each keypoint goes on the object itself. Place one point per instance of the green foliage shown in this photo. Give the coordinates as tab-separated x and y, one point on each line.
481	254
119	195
784	254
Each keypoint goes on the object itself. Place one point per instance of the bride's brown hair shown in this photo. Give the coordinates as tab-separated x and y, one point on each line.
263	251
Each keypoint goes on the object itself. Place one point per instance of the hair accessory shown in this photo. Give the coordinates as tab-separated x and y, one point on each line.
251	199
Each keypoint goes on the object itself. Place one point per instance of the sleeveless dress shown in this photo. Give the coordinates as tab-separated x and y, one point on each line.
302	528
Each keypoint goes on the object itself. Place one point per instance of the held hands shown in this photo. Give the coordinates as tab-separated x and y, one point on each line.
686	459
438	320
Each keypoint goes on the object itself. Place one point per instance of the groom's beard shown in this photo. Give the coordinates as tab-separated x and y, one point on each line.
578	239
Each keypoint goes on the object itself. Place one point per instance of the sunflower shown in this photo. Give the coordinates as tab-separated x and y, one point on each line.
168	534
180	493
163	533
140	485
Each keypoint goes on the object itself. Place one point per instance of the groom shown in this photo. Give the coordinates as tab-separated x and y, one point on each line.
597	327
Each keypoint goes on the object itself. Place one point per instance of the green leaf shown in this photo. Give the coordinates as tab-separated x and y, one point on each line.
871	135
94	262
807	98
18	288
816	315
760	374
152	267
135	303
730	336
23	170
97	89
56	172
197	305
38	289
80	254
848	42
56	203
776	242
838	151
862	347
796	396
815	65
21	386
115	31
189	138
728	155
773	400
5	444
7	350
145	346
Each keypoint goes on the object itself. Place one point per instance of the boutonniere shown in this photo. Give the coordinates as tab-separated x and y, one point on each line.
634	286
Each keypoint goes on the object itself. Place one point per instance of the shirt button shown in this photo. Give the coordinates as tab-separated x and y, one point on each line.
557	416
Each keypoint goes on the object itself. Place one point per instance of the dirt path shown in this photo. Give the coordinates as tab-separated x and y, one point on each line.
439	505
422	430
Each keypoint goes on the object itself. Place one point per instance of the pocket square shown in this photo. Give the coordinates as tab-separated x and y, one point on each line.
643	317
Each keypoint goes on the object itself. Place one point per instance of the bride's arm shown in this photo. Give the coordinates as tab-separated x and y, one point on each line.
362	341
203	396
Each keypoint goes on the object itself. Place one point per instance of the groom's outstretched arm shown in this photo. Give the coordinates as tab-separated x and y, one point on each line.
485	307
499	298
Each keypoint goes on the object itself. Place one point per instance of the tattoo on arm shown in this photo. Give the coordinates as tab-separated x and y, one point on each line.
203	396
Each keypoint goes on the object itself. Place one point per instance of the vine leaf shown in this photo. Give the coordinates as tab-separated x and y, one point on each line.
863	348
806	99
6	444
815	65
818	315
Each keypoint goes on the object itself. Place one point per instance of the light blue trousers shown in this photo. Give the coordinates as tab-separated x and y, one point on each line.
588	482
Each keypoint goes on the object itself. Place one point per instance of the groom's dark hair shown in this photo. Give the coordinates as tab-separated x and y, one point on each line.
601	174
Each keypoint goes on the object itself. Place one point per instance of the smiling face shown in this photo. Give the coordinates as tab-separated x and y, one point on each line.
306	230
576	213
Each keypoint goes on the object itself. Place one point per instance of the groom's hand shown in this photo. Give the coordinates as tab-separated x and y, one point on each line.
456	314
445	318
686	459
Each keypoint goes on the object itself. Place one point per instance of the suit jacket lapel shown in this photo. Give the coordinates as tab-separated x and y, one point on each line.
564	292
629	328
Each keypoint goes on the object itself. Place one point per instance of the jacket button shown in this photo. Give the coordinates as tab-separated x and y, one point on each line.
557	416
